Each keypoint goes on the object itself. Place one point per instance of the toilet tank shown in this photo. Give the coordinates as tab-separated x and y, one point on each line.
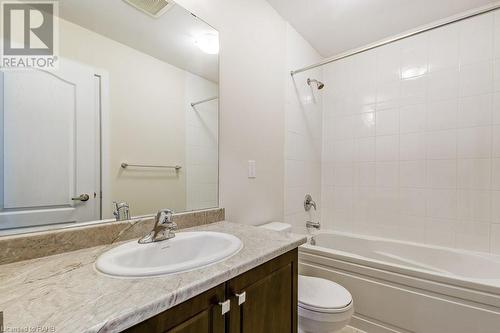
277	226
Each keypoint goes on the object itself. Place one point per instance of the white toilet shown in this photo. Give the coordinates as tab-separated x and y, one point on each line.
324	306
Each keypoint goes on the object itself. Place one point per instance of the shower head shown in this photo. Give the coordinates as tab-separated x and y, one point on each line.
320	85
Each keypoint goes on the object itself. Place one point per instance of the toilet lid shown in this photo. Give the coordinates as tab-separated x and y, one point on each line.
322	295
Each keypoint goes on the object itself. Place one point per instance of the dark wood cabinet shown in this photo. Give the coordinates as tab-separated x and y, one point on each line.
261	300
200	314
270	298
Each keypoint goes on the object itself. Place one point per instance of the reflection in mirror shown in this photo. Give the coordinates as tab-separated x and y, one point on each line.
129	116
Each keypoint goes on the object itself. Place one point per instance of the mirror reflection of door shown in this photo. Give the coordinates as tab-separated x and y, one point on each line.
50	146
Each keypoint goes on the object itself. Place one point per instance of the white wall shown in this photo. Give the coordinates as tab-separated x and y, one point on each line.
138	113
147	123
202	143
252	37
303	120
412	138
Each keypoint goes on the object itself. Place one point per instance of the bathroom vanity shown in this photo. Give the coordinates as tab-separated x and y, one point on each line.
263	299
65	292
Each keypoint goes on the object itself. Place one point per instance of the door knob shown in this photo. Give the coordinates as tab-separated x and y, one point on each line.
81	197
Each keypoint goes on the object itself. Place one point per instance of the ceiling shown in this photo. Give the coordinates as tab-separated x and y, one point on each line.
169	38
335	26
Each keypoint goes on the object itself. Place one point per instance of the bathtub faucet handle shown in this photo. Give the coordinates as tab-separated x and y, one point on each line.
309	202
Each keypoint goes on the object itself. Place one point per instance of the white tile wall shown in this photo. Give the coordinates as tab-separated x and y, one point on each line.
303	120
411	141
202	128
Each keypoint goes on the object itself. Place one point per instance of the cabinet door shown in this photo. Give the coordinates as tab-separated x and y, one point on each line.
201	314
270	298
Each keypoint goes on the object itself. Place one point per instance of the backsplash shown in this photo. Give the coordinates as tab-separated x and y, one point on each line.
42	244
411	138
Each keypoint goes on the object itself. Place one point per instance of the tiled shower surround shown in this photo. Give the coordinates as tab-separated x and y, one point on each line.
411	138
303	133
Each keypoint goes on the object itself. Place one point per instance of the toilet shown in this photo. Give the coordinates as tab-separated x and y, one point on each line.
324	306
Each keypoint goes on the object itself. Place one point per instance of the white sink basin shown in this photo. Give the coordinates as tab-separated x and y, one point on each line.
186	251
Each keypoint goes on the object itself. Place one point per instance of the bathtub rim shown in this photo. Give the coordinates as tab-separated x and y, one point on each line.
446	279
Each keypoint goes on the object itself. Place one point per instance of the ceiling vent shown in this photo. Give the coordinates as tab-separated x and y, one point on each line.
154	8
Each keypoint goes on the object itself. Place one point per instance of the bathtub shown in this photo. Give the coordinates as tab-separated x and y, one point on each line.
408	287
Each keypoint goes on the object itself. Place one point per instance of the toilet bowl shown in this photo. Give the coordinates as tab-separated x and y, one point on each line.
324	306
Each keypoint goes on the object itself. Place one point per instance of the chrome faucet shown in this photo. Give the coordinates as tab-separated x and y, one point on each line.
163	229
122	211
309	202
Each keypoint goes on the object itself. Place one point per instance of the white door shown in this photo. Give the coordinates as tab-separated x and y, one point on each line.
50	146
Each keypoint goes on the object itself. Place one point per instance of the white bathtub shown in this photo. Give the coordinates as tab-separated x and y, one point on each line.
408	287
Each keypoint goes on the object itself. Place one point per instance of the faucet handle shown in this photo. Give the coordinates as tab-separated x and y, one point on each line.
163	229
164	216
309	202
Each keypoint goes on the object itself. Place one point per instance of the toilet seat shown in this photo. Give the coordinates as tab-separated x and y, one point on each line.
343	315
324	306
327	311
323	296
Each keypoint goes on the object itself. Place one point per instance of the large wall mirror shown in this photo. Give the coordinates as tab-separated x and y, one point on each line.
130	115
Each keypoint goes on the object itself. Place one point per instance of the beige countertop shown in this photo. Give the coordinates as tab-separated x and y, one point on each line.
64	293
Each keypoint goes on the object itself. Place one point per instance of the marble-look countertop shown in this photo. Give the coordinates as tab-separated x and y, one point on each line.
64	293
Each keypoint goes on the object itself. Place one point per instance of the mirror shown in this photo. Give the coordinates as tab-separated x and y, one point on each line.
130	114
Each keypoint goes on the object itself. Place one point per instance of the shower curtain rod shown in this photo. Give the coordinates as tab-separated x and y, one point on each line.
460	17
204	100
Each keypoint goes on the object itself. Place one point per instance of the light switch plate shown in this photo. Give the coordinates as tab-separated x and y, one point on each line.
252	171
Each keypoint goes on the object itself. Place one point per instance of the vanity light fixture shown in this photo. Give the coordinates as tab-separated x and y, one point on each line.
208	42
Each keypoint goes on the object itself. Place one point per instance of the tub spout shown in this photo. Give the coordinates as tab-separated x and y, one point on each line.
314	225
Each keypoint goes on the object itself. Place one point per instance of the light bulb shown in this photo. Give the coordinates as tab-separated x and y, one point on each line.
208	43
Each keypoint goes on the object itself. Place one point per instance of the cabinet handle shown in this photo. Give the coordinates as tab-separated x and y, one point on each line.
241	297
226	306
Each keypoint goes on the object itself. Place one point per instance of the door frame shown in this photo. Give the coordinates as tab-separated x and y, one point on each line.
103	141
